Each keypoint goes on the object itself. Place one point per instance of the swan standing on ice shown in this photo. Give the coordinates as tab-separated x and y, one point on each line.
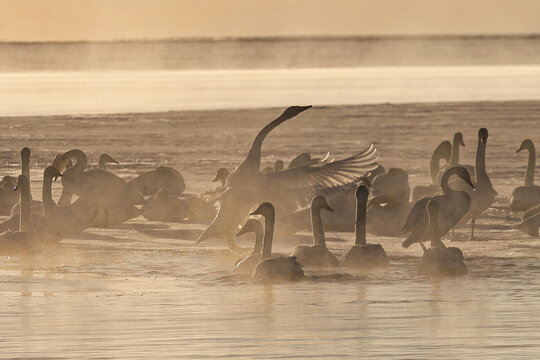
247	186
317	254
439	260
526	196
362	254
453	206
282	268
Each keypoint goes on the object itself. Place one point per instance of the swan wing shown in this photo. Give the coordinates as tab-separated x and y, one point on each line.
302	183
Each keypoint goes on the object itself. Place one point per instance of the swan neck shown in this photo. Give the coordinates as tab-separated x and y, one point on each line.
360	226
81	162
444	181
529	175
434	229
49	205
268	236
26	212
480	163
258	242
316	225
434	166
454	156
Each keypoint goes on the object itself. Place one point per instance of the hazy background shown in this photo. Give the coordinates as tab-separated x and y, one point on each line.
67	20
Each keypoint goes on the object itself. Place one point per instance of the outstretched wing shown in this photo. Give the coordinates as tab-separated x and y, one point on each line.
300	184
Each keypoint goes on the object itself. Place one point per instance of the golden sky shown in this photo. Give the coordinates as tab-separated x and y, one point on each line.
63	20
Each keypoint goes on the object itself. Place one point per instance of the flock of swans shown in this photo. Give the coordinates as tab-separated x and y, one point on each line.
314	193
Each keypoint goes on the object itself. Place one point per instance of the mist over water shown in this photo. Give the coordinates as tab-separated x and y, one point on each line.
145	290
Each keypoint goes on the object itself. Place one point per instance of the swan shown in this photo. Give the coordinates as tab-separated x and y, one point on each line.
165	207
66	196
25	240
453	204
439	260
526	196
530	222
362	254
25	170
483	194
99	188
282	268
457	142
221	176
247	265
317	254
150	182
247	186
441	152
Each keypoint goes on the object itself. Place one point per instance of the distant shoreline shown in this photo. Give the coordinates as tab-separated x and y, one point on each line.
287	38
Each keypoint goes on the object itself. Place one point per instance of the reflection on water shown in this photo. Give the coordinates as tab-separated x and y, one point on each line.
49	93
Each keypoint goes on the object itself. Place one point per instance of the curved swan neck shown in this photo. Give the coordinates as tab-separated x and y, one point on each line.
25	200
268	236
445	179
454	155
258	242
529	175
80	157
49	205
360	225
316	225
434	165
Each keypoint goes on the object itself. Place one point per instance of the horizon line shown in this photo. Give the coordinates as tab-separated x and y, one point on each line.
283	38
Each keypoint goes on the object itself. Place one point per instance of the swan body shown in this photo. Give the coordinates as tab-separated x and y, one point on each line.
394	183
282	268
164	177
453	205
526	196
439	260
317	254
386	215
165	207
441	152
288	189
530	222
25	240
362	254
8	197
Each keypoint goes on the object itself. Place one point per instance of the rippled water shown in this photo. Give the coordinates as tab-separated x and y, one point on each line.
144	290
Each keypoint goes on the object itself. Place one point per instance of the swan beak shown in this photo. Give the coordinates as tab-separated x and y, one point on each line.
518	150
327	207
462	142
216	179
366	181
254	213
241	232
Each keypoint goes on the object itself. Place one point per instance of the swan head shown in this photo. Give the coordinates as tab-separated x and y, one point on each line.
527	144
458	139
25	153
251	225
483	135
266	209
279	165
292	111
362	193
397	172
319	202
106	159
52	173
221	175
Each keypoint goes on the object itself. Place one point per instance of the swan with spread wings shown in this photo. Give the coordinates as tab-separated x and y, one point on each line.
287	189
